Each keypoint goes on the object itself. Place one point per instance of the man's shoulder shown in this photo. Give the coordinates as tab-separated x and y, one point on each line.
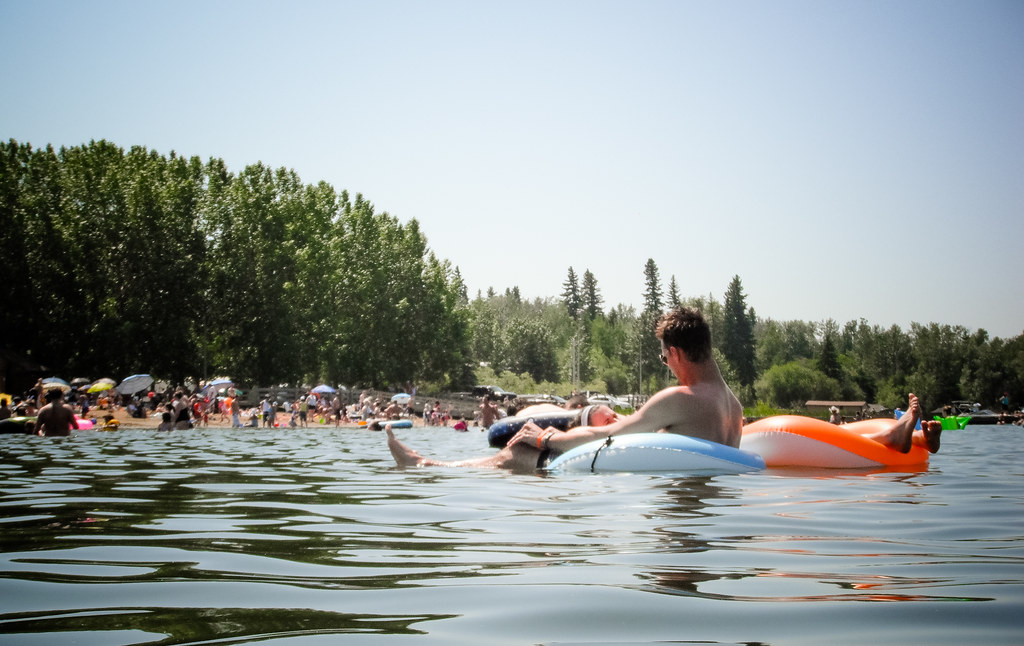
673	393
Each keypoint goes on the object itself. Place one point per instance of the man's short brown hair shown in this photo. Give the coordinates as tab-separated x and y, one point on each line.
686	329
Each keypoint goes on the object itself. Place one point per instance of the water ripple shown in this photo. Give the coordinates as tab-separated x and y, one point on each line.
228	537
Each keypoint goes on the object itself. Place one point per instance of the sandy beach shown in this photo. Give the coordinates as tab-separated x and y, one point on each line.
216	421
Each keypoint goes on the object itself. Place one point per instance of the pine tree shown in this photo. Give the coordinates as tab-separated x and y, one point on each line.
652	288
738	341
828	359
674	302
647	344
592	300
571	295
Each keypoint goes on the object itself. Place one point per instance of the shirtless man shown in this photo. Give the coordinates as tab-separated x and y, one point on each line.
701	406
393	411
488	412
55	418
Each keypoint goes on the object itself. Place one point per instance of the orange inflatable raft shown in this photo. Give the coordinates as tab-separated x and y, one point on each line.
796	441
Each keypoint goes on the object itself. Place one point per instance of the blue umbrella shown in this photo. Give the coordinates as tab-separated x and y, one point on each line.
401	398
56	382
219	383
323	389
134	384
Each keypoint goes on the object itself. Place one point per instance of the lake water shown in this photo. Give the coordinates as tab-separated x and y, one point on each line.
314	537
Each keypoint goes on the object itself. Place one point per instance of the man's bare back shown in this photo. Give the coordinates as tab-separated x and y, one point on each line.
55	419
709	411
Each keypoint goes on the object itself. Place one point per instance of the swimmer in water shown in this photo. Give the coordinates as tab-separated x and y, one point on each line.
701	406
507	458
55	418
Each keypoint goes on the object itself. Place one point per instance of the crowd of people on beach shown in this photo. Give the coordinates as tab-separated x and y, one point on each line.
182	408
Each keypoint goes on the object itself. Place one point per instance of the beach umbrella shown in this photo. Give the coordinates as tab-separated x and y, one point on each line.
100	385
55	382
134	384
218	384
323	389
79	381
401	398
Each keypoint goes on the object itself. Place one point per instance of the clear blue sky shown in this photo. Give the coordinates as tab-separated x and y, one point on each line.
846	159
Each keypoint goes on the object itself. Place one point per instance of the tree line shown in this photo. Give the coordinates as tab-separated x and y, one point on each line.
120	261
772	365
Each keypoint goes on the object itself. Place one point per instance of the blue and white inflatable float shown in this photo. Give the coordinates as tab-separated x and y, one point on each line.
395	423
502	430
667	452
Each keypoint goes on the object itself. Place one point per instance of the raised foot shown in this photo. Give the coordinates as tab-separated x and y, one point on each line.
901	437
932	435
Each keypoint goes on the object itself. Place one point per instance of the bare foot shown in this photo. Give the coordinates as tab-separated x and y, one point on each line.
404	456
901	436
932	432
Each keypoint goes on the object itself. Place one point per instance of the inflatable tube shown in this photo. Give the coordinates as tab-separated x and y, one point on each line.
657	452
797	441
15	425
83	423
395	423
502	430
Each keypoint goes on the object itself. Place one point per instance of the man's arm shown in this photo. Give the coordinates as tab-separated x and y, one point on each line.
658	413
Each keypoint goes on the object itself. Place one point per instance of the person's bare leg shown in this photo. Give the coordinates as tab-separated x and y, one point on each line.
901	436
930	436
407	457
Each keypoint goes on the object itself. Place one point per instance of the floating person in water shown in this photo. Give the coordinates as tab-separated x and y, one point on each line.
506	458
701	406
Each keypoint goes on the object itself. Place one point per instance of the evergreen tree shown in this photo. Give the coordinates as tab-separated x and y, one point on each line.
460	287
828	360
738	341
571	295
652	288
592	300
674	302
648	346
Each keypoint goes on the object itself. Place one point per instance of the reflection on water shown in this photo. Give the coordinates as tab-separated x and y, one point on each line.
219	536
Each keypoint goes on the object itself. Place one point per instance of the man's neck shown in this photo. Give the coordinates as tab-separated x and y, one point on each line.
691	374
